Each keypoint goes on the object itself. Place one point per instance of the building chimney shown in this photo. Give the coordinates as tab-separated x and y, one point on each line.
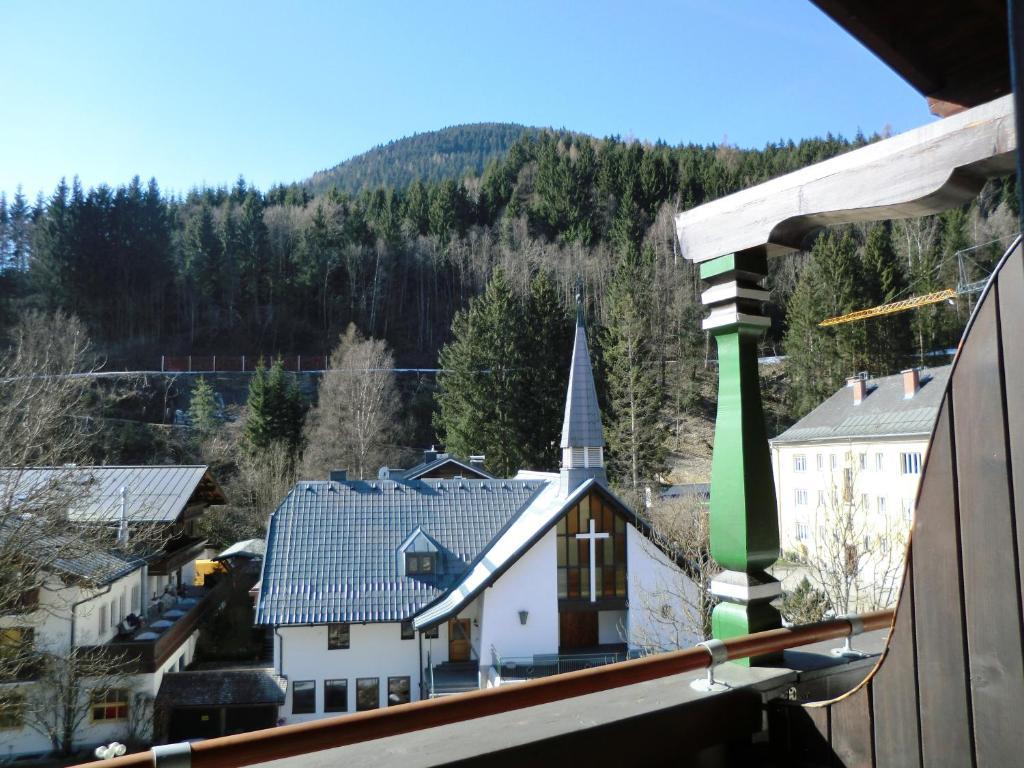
859	385
122	528
430	455
339	475
477	461
911	382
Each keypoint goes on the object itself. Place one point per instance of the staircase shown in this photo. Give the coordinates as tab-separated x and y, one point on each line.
453	677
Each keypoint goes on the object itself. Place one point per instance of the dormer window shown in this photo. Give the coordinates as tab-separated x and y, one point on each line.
420	563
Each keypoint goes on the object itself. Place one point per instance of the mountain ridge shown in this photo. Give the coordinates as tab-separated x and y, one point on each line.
450	152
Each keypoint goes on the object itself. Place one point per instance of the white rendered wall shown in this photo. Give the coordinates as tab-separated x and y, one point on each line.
612	627
375	650
531	585
659	598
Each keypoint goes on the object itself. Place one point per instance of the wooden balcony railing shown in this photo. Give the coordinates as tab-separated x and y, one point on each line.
303	738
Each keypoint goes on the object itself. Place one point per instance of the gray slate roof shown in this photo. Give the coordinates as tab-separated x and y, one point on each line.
155	494
333	548
883	413
211	688
582	424
79	558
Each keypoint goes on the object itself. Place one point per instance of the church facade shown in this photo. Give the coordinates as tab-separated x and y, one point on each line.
410	586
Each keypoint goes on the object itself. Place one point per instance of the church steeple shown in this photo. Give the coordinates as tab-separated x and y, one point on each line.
582	436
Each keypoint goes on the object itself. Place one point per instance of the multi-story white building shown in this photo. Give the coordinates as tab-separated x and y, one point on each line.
89	606
846	477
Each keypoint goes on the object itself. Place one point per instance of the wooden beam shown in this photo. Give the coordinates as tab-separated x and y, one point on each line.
924	171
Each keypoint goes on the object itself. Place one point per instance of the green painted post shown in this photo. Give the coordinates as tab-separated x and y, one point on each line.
744	517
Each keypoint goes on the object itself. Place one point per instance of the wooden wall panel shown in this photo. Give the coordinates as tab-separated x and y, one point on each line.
894	690
988	540
938	608
1011	305
851	730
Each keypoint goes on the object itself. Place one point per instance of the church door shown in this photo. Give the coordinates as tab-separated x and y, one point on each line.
577	630
458	640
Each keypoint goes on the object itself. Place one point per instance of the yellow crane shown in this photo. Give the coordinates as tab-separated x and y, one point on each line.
893	307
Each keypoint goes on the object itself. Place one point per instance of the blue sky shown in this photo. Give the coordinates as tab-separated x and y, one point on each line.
200	92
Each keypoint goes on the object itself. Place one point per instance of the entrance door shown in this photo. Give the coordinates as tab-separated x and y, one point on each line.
458	640
577	629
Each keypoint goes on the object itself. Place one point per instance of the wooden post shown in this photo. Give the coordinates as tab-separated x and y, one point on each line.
214	363
190	363
243	363
162	368
744	516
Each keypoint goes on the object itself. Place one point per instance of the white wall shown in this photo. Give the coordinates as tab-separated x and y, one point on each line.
531	584
655	586
612	627
375	650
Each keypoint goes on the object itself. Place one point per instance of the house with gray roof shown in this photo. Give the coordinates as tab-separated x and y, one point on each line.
850	468
416	585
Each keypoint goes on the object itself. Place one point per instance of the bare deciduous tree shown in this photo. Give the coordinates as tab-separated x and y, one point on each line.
354	423
854	556
679	606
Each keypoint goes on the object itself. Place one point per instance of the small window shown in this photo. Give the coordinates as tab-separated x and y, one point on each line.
879	461
367	693
832	461
12	711
800	463
863	463
801	531
337	636
883	545
432	633
880	505
335	695
408	633
821	498
419	563
111	704
113	614
398	690
120	604
821	462
136	606
103	620
910	463
864	502
801	497
303	697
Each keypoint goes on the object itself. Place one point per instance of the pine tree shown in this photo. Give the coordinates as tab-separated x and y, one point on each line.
548	351
257	431
883	283
202	410
635	433
274	408
481	401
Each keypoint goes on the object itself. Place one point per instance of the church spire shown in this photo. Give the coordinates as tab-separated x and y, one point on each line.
582	436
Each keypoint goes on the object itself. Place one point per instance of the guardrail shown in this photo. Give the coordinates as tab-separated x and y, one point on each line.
303	738
227	363
545	665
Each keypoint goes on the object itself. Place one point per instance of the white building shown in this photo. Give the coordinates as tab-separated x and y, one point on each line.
388	591
846	477
135	608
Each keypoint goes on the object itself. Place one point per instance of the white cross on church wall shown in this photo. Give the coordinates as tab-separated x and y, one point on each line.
593	536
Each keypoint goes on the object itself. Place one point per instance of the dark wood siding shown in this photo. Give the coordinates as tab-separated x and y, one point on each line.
949	689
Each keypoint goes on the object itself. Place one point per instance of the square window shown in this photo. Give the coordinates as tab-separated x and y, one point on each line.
303	697
367	693
337	636
910	463
398	690
335	695
419	563
109	704
408	633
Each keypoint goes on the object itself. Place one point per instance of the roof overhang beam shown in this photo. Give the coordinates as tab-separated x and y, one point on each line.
924	171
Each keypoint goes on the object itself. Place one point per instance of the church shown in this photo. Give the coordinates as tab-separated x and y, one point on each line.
444	578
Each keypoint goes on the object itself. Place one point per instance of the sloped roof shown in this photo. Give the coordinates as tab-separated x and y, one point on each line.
332	547
155	494
212	688
425	468
78	558
884	412
582	424
527	528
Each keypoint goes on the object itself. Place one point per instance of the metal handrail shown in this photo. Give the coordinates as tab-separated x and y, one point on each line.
302	738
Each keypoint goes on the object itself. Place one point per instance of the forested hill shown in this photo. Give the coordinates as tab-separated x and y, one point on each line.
449	153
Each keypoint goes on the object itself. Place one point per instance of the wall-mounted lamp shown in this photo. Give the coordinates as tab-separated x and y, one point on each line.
523	615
